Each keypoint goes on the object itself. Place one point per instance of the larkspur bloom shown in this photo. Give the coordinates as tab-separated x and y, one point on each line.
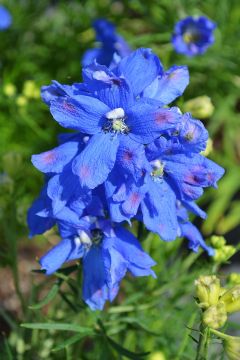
131	157
107	254
112	46
193	35
5	18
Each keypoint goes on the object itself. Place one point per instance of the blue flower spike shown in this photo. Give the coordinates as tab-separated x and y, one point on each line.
131	156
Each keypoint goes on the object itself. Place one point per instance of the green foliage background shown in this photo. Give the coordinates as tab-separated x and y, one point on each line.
46	41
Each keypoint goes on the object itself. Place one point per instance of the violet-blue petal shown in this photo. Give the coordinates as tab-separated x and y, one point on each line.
5	18
170	85
140	68
159	210
53	161
146	122
65	250
95	290
86	115
194	237
96	161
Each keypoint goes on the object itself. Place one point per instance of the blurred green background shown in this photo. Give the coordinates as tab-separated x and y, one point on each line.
46	41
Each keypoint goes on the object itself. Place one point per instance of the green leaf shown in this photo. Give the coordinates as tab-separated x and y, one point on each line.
121	350
50	296
69	341
58	326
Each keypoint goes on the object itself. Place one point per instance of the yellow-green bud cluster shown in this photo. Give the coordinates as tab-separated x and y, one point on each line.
222	251
216	301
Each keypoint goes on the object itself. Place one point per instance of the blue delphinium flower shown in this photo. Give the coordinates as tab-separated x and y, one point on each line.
174	171
5	18
111	44
107	252
109	107
193	35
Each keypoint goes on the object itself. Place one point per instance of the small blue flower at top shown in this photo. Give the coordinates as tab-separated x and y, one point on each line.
113	46
193	35
5	18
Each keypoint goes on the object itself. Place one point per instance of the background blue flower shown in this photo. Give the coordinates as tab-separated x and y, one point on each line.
193	35
5	18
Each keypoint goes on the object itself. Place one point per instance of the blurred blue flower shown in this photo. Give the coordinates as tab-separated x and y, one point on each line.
111	45
5	18
193	35
108	253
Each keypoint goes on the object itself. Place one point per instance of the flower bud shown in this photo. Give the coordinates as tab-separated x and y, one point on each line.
9	90
215	316
223	254
231	298
207	290
158	355
21	101
234	279
232	347
201	107
30	90
217	241
209	148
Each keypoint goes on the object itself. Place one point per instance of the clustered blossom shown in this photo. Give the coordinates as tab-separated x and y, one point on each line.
193	35
112	45
5	18
132	156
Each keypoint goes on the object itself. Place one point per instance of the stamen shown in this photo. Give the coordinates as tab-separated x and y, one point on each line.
116	121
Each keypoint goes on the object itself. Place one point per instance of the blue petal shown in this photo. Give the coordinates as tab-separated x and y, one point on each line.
38	224
140	68
96	161
95	290
65	250
195	238
170	85
90	56
5	18
86	115
115	264
159	210
130	249
146	122
53	161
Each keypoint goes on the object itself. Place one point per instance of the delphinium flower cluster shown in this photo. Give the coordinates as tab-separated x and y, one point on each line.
131	157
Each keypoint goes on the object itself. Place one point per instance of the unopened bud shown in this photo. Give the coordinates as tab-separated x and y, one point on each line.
215	316
207	290
201	107
231	298
158	355
9	89
234	279
209	148
232	347
223	254
217	241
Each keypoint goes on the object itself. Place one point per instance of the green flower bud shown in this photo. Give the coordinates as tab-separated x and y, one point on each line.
223	254
209	148
21	101
234	279
9	90
207	290
158	355
217	241
231	298
201	107
232	347
215	316
30	90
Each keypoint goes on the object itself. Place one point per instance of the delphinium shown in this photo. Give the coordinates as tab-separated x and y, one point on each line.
131	157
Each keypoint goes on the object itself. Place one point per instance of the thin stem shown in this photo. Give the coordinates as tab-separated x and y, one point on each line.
186	336
203	343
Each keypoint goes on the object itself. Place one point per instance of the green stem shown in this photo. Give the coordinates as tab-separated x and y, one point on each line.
186	336
203	343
